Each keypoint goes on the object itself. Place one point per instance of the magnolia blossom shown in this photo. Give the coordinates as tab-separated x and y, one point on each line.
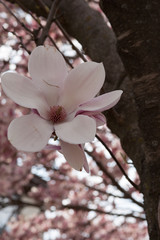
63	104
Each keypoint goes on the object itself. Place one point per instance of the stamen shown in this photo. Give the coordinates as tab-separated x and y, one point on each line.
54	136
57	114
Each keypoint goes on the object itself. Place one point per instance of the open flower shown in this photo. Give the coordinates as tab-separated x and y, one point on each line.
62	103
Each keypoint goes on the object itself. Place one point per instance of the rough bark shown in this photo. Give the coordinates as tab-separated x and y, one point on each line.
136	24
136	119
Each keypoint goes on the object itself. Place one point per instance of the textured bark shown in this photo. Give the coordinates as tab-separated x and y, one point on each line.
136	24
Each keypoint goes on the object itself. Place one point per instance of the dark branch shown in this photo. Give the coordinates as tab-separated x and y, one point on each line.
117	162
114	182
45	30
100	211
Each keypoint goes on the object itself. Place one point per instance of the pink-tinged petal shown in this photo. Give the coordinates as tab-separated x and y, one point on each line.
85	164
74	155
102	102
100	119
23	92
47	64
48	69
52	147
82	84
80	130
29	133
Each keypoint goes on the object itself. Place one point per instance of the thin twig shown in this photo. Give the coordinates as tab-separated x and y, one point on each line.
87	209
48	24
63	31
117	162
104	192
66	59
20	39
43	6
114	182
52	41
69	40
17	19
21	203
73	46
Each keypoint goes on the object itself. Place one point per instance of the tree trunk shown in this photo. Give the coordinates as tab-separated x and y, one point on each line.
137	25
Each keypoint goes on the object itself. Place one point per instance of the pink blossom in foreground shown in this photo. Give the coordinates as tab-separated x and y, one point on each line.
63	104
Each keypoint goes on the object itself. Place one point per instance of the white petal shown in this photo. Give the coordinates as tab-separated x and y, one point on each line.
29	133
47	64
23	92
74	155
102	102
48	69
82	84
85	164
100	119
80	130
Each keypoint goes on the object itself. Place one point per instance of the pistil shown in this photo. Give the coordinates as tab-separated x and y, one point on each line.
57	114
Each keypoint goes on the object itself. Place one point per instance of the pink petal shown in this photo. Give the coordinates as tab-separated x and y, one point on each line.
74	155
82	84
80	130
85	164
102	102
23	92
52	147
100	119
29	133
48	69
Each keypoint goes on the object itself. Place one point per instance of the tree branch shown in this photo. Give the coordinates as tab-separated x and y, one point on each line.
46	28
114	182
87	209
17	19
118	164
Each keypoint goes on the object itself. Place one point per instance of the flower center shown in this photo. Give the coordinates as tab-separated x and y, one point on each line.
57	114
